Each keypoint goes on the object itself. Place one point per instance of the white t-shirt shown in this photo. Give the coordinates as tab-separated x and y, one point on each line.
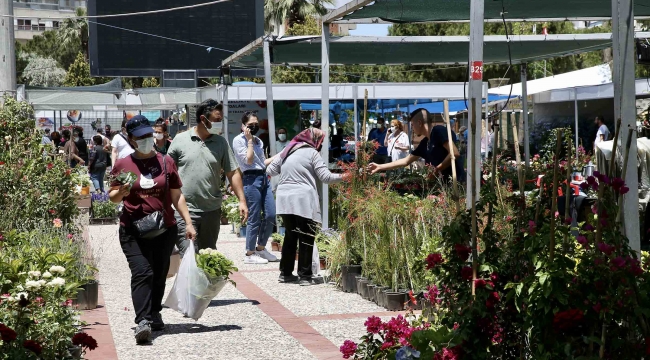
602	130
401	140
124	149
279	146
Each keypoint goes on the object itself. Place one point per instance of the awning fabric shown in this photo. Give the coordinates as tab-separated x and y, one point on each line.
413	11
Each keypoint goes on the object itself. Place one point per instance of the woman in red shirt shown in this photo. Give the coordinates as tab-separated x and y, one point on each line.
148	258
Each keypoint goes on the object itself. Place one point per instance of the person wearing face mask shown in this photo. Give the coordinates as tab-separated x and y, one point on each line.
379	134
433	148
281	141
156	188
397	141
249	151
201	154
80	143
70	150
161	137
120	145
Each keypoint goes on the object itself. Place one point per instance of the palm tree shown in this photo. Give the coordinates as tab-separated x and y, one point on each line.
289	12
74	30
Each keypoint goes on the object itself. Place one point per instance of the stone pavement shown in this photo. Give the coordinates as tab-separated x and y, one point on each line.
258	319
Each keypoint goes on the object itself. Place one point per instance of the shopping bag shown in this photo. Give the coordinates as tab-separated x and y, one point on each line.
174	263
315	261
193	290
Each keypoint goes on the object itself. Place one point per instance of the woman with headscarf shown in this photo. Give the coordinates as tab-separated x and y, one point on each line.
299	165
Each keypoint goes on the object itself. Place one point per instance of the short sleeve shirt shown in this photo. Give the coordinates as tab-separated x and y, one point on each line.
240	148
602	130
434	153
148	192
379	137
199	165
124	149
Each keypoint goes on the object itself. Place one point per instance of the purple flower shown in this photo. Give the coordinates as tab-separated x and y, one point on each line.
582	240
373	325
588	227
606	249
618	263
531	227
617	183
348	349
624	190
584	186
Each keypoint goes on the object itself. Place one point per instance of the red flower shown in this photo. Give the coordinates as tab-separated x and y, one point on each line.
624	190
479	283
84	340
617	263
494	277
373	325
33	346
433	260
50	166
582	240
348	349
387	345
531	227
462	251
492	300
466	273
67	172
606	249
432	294
597	307
566	320
52	211
7	334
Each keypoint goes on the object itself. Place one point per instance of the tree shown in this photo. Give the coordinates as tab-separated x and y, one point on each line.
42	71
291	12
74	31
79	73
49	45
150	82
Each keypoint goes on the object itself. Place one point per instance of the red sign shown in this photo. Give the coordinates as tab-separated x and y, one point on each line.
477	70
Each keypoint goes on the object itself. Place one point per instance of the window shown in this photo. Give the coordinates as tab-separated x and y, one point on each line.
24	24
55	24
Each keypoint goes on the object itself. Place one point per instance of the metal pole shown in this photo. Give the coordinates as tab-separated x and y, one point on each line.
524	108
325	116
7	48
575	105
355	90
484	124
625	103
269	95
226	115
475	94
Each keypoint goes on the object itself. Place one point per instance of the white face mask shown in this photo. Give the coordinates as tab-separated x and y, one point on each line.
393	128
145	146
282	137
75	139
158	136
216	128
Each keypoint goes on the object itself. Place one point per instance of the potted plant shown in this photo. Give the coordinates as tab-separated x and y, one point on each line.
102	209
276	242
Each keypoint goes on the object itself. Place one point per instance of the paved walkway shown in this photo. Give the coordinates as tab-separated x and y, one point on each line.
258	319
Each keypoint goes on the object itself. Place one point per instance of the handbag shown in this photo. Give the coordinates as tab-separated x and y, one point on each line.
153	225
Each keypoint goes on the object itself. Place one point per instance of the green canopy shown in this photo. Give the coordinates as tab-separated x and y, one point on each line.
438	50
412	11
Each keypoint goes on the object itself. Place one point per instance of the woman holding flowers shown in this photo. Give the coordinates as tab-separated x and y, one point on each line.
297	200
148	183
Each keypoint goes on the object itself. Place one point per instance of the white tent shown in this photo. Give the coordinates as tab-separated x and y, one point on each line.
596	75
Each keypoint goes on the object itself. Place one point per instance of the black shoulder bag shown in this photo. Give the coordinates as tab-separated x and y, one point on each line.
153	225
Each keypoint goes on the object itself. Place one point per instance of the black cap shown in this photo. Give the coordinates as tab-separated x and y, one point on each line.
138	126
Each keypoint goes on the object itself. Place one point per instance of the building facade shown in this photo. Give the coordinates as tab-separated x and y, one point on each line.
33	17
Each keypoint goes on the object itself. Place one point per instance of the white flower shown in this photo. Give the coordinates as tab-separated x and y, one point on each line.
35	274
22	273
8	137
19	295
33	285
202	252
57	282
214	252
42	282
57	269
47	275
20	288
7	282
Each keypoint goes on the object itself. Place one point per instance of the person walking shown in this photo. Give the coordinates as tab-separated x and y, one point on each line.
397	141
70	150
156	188
379	134
299	166
120	145
201	155
249	151
80	144
281	140
46	140
161	136
603	132
97	163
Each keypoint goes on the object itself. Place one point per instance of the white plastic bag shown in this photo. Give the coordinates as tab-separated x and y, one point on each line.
193	290
315	261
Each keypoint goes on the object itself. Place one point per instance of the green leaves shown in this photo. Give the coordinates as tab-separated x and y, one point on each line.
215	264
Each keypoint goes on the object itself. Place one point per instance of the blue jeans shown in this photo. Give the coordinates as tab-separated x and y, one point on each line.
97	177
261	210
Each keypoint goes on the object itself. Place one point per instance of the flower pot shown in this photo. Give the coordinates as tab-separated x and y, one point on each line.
348	280
87	296
85	190
395	300
242	231
224	220
281	230
275	246
323	263
362	285
380	295
371	291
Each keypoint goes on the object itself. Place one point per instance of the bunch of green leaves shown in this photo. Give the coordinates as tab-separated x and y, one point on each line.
215	264
277	238
125	178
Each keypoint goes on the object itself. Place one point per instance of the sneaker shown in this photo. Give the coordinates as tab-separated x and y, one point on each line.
314	280
143	332
157	323
305	282
265	254
254	259
288	278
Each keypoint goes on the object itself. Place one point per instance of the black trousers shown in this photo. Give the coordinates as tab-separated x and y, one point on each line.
300	232
149	263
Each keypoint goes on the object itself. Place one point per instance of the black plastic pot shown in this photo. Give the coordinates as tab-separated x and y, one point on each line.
348	277
381	295
371	291
395	300
362	286
87	297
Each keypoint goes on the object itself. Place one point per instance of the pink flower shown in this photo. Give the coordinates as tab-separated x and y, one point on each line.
568	221
432	294
70	236
531	227
479	283
57	223
617	183
373	325
588	227
624	190
348	349
606	249
494	277
387	345
462	251
466	273
597	307
582	240
618	263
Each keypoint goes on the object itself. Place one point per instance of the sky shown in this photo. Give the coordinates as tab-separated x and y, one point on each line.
366	29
